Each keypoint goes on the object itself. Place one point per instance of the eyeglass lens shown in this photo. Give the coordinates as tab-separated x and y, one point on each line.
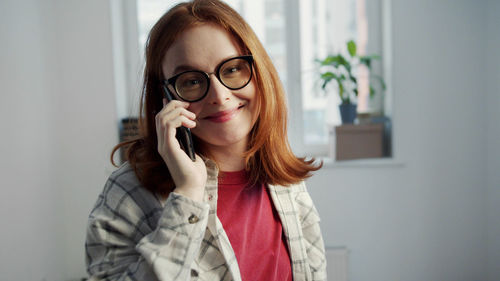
234	74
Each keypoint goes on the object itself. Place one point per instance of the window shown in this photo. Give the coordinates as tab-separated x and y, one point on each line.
295	33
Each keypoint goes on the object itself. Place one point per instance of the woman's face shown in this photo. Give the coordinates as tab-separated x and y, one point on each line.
224	117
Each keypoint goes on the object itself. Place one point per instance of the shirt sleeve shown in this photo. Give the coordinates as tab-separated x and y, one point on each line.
313	239
122	245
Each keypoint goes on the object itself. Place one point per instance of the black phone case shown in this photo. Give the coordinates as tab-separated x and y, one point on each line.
183	134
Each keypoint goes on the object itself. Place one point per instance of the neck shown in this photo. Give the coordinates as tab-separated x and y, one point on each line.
229	158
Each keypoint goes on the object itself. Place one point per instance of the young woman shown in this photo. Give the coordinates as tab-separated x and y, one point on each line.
240	210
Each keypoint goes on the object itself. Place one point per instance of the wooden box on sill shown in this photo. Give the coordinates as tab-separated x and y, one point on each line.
357	141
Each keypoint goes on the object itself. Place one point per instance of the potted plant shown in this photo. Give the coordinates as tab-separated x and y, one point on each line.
344	71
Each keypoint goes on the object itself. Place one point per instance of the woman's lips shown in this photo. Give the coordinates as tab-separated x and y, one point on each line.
223	116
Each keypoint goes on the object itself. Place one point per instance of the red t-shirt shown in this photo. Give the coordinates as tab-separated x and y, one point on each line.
254	228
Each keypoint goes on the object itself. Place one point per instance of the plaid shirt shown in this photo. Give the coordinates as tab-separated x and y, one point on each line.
133	234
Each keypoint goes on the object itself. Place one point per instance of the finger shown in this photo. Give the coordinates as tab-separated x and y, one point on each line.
166	127
174	119
165	116
173	150
179	111
178	122
175	104
169	106
170	112
189	114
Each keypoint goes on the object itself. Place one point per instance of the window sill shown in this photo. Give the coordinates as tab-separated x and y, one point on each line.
387	162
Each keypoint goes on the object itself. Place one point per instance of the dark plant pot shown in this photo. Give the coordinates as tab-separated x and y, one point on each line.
348	112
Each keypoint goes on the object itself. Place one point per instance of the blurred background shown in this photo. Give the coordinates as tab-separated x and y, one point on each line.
70	72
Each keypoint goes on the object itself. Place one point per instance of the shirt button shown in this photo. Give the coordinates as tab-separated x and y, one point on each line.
210	197
193	219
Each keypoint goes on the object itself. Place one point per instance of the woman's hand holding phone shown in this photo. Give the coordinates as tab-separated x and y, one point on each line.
189	176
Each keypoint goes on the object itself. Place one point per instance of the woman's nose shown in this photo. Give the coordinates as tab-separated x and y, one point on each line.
217	93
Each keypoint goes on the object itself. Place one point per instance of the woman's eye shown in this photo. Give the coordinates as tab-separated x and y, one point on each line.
231	70
191	83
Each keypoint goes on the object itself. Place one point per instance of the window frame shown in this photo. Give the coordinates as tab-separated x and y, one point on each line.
294	81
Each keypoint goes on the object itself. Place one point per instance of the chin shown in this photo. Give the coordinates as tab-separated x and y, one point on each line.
217	138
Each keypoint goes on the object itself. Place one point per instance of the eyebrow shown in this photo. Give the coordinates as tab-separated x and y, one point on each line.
186	67
182	68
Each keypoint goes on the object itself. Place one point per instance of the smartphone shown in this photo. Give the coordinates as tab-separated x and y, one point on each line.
183	134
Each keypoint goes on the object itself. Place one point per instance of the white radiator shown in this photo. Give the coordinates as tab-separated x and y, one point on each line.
337	263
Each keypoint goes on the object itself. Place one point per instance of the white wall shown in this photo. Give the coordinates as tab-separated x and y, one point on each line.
30	206
58	127
85	116
427	219
493	136
435	218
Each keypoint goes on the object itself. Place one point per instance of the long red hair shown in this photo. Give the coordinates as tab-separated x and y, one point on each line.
269	158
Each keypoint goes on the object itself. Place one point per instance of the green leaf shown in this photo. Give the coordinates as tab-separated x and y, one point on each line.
381	80
348	68
346	101
328	76
327	61
366	61
324	84
334	61
351	47
371	57
343	61
341	90
372	92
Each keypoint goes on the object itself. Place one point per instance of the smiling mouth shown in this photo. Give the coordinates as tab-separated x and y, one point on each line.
225	115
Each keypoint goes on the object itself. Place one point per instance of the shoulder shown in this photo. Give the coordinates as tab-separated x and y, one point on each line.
123	185
292	191
298	200
125	174
126	203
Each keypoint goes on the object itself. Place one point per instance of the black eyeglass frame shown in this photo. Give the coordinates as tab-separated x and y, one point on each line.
173	79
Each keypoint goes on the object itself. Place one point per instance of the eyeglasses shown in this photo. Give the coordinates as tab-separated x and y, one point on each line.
192	85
